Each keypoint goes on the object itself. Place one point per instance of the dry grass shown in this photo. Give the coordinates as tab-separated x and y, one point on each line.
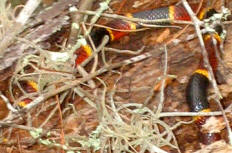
90	117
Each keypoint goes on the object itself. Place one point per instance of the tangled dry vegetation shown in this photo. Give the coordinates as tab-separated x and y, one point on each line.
108	104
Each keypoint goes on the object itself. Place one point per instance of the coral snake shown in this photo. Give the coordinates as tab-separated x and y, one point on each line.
196	91
29	86
168	14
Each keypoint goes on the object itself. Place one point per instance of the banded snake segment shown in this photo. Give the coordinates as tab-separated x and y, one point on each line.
196	91
168	14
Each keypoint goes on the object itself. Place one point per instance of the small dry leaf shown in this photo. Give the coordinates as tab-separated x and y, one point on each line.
168	81
72	124
47	2
216	147
226	89
138	3
164	35
3	109
213	125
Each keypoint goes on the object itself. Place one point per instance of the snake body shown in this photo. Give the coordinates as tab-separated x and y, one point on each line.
196	91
